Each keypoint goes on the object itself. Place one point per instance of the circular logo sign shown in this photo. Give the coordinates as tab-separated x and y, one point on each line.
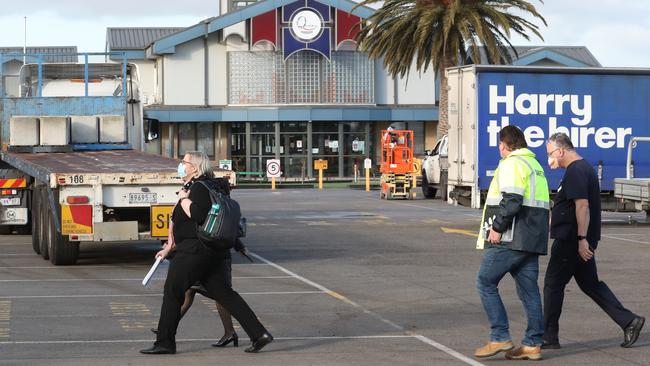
306	25
273	168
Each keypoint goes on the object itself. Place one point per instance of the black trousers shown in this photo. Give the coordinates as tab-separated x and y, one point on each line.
184	271
565	262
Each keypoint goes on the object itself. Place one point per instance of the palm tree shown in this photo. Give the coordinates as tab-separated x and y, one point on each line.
441	33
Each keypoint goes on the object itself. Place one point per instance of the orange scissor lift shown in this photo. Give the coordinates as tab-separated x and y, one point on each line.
398	167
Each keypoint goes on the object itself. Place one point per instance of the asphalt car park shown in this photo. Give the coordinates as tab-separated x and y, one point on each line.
340	278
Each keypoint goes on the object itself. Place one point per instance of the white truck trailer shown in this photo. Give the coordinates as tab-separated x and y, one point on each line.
69	171
599	108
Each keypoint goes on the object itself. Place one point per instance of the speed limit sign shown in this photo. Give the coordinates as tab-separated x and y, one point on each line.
273	168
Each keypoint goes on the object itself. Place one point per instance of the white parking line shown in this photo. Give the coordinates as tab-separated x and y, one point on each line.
92	267
334	294
132	279
624	239
150	295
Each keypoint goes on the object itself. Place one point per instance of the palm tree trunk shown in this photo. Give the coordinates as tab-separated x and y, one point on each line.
443	118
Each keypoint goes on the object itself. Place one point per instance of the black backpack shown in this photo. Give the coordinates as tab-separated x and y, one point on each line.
226	227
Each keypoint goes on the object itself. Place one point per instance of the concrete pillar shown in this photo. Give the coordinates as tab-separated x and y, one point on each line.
310	159
341	148
248	146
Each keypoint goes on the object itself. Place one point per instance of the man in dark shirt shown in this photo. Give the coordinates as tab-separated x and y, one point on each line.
575	226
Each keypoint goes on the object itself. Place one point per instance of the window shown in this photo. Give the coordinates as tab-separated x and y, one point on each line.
264	77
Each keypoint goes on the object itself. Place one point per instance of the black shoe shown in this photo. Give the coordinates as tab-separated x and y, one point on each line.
154	330
551	345
158	350
260	342
226	339
631	332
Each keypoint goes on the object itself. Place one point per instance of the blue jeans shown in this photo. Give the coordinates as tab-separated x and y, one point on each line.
524	268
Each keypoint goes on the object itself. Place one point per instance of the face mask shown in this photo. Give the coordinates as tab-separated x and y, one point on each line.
181	170
552	163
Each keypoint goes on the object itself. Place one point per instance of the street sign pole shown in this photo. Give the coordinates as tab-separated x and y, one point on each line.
367	180
320	179
320	165
367	165
273	171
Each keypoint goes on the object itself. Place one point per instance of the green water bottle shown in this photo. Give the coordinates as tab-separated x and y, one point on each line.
212	218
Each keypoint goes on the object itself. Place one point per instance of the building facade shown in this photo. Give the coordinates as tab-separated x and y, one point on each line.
279	80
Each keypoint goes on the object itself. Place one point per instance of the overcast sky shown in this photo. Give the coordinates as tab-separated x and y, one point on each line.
617	32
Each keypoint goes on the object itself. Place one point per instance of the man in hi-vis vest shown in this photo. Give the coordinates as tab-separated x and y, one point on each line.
514	232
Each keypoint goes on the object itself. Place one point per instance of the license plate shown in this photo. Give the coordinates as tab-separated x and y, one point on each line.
15	201
160	217
143	198
13	216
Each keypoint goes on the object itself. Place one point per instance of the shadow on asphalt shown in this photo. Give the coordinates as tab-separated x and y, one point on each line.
577	347
117	253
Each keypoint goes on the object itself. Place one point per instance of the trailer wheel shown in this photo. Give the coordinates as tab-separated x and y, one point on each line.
62	251
44	218
444	179
427	190
36	222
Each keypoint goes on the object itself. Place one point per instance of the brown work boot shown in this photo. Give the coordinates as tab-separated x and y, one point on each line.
525	353
492	348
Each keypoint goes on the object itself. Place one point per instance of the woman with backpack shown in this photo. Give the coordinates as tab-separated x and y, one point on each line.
229	334
195	262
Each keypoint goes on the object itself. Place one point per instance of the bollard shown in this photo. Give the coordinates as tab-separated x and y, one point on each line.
273	183
414	186
367	179
320	179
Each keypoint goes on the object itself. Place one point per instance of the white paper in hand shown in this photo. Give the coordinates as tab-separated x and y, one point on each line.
151	271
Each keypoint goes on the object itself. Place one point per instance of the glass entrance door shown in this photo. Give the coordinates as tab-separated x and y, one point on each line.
293	149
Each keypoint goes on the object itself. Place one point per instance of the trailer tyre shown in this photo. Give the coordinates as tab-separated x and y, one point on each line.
36	222
444	179
62	251
427	190
44	219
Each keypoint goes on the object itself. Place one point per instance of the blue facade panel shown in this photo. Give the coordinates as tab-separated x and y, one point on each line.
289	9
233	115
324	114
361	114
269	114
298	113
293	114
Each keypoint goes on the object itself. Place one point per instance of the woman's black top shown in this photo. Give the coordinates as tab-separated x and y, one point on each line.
185	228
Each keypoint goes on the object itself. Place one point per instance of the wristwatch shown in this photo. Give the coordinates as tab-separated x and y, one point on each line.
581	237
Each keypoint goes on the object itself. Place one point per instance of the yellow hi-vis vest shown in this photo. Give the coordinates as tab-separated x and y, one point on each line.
518	173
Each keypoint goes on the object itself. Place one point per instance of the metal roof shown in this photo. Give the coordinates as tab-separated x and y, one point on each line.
580	54
559	69
58	53
136	38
